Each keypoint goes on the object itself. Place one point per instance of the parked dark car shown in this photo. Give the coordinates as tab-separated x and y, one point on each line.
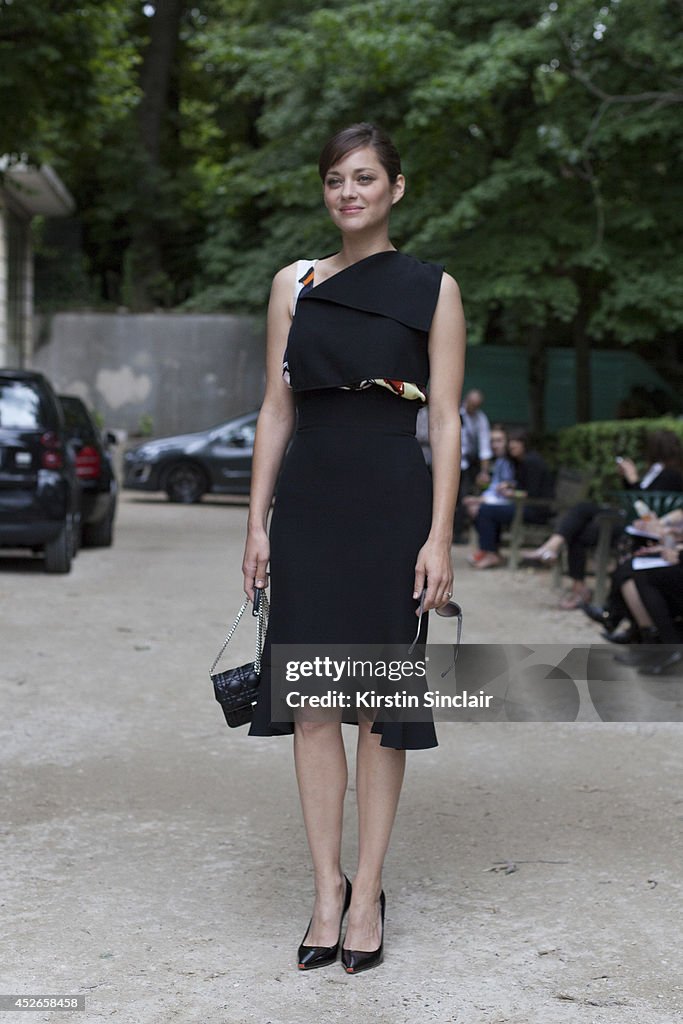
214	461
95	472
40	497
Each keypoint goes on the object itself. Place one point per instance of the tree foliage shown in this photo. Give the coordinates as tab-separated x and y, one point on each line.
66	75
541	142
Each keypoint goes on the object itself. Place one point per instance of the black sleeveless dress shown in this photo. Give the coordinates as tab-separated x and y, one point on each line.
354	498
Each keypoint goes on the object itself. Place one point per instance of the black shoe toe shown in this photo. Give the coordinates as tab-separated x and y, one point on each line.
658	666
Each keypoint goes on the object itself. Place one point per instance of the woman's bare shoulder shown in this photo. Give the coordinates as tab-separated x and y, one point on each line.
449	286
282	288
285	276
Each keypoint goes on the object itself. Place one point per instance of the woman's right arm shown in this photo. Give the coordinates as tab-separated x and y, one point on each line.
274	429
629	472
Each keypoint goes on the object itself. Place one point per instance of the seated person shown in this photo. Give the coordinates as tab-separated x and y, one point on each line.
579	527
661	592
653	597
622	601
532	478
502	472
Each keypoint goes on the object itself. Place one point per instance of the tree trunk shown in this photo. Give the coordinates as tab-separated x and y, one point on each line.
155	74
582	351
146	283
537	375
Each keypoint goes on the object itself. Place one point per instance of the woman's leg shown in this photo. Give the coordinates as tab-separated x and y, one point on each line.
488	527
577	553
572	523
634	603
575	519
321	772
614	602
489	522
661	591
548	551
379	776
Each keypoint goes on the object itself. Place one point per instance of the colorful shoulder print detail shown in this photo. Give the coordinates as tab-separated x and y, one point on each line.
305	280
305	275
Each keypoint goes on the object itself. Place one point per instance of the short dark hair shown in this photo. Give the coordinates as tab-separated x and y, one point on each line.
665	447
357	136
519	434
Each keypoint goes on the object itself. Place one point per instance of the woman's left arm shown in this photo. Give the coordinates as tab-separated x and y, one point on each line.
446	369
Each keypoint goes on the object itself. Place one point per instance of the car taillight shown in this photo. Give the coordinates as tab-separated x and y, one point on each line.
53	455
88	463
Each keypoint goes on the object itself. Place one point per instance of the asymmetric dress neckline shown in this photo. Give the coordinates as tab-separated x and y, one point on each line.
367	325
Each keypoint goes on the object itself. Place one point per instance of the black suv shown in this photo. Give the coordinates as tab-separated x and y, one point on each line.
95	472
39	490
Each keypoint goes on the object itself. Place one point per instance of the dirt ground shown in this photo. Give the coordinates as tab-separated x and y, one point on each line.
155	861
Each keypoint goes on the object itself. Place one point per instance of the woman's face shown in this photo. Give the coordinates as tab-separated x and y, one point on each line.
498	443
516	448
357	191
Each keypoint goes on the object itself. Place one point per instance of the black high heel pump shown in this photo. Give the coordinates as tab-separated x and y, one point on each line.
356	960
309	957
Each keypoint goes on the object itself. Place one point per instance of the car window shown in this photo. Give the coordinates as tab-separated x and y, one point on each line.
77	420
21	406
245	433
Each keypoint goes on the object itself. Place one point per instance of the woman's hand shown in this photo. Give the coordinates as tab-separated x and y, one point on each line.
669	554
255	561
650	525
627	468
434	566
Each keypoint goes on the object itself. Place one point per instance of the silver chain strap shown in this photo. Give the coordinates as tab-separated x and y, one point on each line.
261	626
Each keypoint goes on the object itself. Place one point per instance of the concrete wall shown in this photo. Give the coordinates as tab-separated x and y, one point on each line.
7	355
186	372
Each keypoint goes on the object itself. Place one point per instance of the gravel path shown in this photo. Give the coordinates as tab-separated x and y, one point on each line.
156	861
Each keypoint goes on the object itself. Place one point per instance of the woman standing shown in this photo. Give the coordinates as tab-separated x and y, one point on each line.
359	527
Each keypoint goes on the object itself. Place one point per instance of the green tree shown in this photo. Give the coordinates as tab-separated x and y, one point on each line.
65	75
540	143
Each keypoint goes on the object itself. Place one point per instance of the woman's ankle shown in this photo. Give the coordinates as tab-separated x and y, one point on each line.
329	880
367	887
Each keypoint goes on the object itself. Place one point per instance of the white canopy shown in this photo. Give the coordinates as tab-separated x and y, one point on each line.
36	190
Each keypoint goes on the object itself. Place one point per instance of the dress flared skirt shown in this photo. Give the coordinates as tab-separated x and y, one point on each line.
353	509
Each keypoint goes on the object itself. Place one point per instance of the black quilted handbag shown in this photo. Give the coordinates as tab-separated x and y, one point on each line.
236	689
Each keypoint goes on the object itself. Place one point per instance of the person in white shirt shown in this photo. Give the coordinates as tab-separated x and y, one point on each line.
476	455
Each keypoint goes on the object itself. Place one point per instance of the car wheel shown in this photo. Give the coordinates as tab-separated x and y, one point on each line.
185	482
58	552
100	535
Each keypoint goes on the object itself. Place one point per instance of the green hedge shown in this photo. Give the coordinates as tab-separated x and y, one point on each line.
593	447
